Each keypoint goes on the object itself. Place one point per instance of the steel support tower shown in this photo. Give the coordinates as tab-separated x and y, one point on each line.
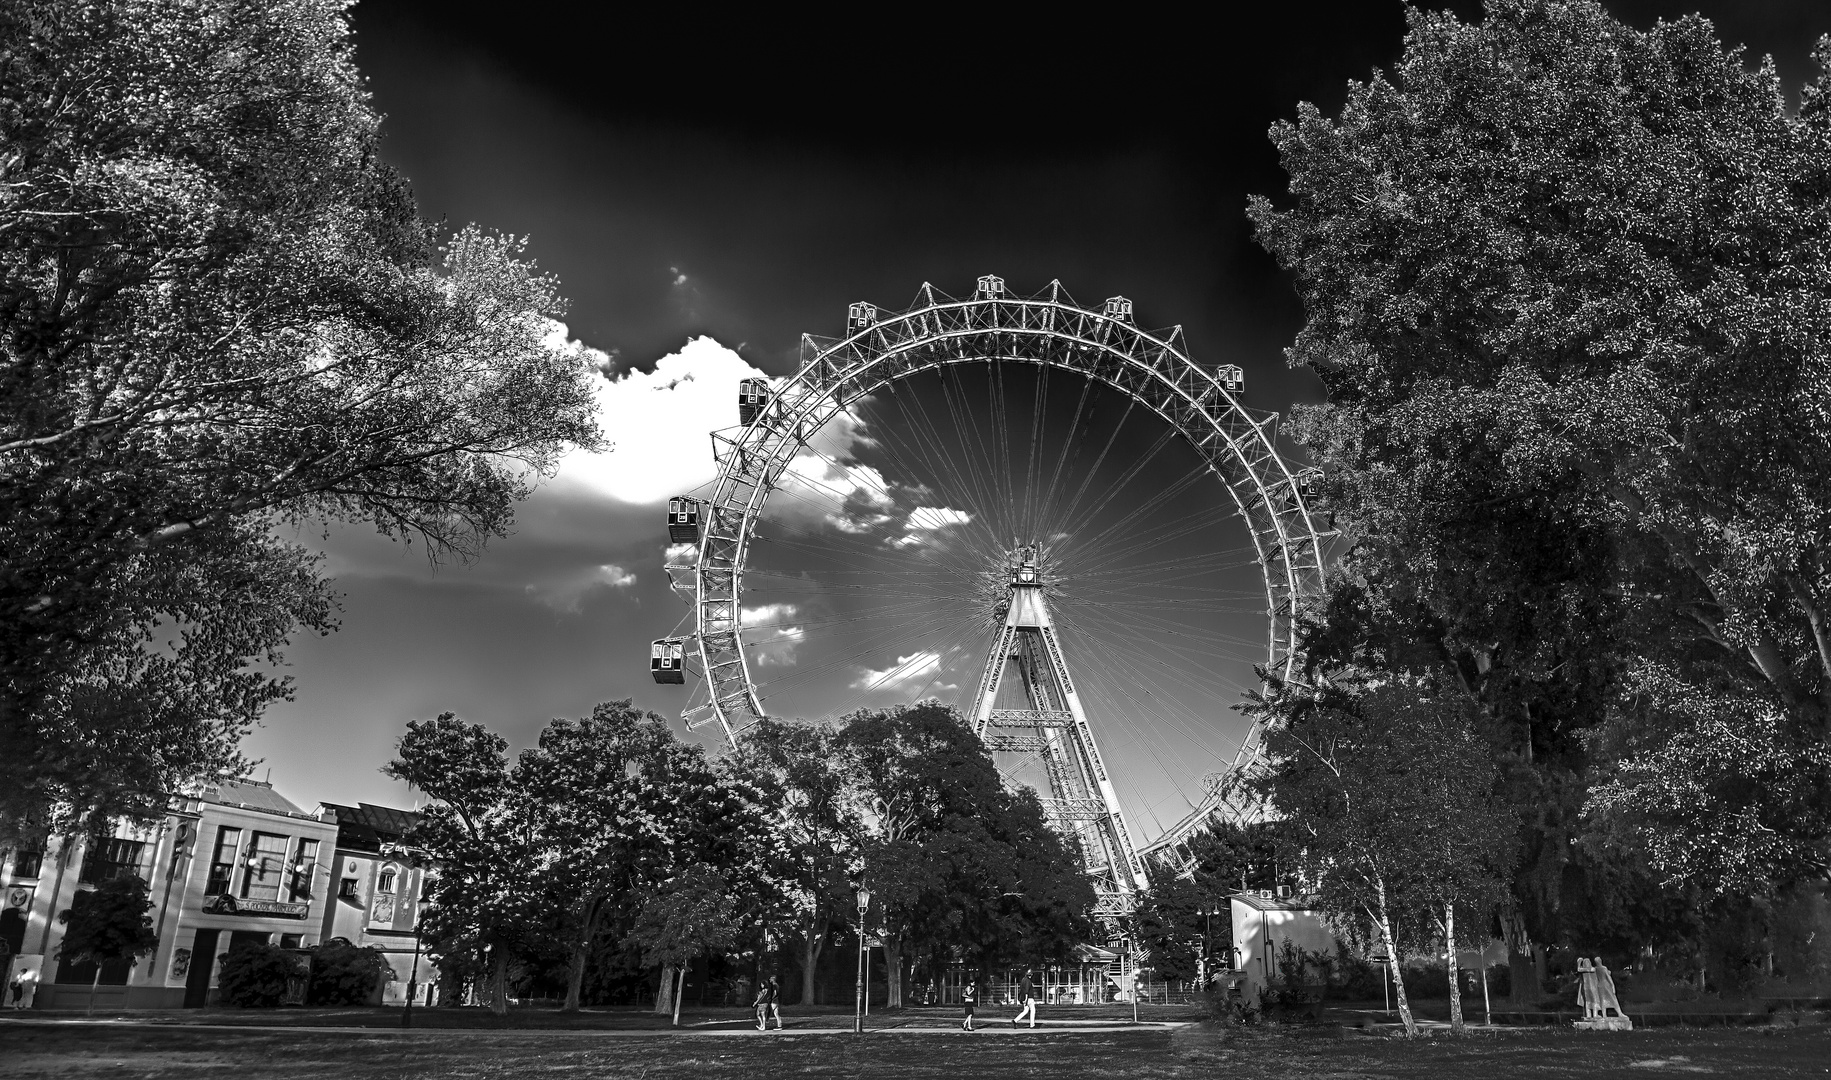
1050	726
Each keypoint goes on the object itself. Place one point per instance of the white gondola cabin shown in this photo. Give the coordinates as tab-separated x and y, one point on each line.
991	287
1309	481
1232	378
752	395
859	316
1118	307
667	660
683	520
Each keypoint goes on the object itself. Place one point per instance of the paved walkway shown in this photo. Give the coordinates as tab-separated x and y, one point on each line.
740	1029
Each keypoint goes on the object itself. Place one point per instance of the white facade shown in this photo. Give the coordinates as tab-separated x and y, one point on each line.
235	862
376	892
1262	925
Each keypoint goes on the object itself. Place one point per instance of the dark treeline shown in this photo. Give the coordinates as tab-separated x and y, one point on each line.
567	868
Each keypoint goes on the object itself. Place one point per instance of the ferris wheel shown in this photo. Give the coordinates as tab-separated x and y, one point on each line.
1001	485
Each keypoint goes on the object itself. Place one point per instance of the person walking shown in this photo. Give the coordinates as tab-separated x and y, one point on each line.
969	996
1026	997
769	1003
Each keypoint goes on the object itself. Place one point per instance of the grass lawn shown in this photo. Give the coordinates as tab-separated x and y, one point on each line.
39	1049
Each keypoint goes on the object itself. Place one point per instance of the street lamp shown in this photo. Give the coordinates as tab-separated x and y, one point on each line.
858	1013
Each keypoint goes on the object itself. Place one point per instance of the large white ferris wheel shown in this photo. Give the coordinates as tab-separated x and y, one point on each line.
887	505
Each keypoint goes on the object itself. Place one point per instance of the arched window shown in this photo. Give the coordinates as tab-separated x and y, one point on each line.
386	884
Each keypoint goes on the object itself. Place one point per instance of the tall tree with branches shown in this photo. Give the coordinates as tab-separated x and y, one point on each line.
221	314
1567	285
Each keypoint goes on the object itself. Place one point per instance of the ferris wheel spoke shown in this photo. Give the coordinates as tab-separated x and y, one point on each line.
1074	425
928	437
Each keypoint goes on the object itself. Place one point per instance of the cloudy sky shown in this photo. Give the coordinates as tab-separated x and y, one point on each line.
708	186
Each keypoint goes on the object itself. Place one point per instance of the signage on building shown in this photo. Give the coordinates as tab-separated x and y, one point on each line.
18	896
272	909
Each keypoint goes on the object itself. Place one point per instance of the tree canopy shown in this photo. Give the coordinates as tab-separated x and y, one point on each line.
1568	286
221	313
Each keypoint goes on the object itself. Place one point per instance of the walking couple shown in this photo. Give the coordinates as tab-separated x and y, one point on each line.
769	1003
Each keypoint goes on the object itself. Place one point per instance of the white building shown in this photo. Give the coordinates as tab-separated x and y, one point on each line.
1263	924
234	862
378	889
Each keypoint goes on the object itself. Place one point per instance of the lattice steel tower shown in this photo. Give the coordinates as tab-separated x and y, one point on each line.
1042	729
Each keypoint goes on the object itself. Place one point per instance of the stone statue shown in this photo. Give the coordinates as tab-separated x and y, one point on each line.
1586	988
1605	999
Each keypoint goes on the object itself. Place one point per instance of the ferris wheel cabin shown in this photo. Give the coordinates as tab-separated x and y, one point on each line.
667	660
752	395
683	520
1232	378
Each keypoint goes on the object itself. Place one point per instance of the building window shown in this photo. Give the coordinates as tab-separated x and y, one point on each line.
26	864
108	859
291	941
386	884
346	890
222	865
266	866
304	869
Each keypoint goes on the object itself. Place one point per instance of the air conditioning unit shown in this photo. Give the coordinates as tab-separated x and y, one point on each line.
1265	894
1284	892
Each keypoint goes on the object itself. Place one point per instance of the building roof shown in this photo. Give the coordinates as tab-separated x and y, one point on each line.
367	827
253	795
1273	903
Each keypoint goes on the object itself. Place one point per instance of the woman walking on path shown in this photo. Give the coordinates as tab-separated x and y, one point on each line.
969	995
1026	996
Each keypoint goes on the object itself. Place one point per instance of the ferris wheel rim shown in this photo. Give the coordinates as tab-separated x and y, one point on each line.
837	373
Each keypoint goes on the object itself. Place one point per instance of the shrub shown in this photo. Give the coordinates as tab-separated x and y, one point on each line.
254	976
343	974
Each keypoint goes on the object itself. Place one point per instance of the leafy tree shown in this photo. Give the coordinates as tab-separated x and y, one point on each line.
1193	907
797	775
1564	284
222	314
254	975
620	807
343	973
954	859
1388	797
482	836
690	916
108	925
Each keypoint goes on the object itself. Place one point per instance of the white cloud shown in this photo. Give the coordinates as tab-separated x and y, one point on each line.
906	673
936	517
853	498
770	635
566	593
924	521
560	339
681	554
660	423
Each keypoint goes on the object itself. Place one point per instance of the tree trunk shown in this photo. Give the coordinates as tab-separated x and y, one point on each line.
1392	952
664	994
499	981
810	961
893	972
1449	941
1522	979
93	983
680	991
575	978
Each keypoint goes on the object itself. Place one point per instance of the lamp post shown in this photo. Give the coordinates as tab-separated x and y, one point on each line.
858	1014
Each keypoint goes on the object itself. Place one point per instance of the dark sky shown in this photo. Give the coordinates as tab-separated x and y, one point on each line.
694	173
